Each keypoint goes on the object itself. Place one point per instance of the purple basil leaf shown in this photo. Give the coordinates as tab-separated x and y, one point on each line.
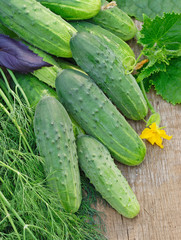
18	57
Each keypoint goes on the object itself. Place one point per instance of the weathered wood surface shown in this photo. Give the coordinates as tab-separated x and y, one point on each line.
156	183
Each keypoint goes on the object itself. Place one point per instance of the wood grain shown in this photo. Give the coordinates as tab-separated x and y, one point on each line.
156	183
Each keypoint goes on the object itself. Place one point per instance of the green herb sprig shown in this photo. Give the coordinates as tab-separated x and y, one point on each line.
28	209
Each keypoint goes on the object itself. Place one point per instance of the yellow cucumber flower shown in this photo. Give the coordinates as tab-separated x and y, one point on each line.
154	134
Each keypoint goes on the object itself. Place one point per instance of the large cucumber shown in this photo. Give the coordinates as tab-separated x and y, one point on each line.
122	49
56	143
73	9
37	25
99	117
105	67
95	160
116	21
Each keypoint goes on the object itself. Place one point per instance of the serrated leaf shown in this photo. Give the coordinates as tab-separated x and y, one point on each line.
162	32
137	8
150	69
147	84
161	38
168	84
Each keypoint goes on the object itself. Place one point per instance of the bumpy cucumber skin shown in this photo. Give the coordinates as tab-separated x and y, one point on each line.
37	25
73	9
115	21
94	112
105	67
122	49
56	143
95	160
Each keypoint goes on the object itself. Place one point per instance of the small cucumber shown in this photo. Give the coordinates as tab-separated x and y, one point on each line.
73	9
95	160
56	143
116	21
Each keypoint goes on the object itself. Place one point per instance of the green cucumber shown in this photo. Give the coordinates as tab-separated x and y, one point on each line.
97	164
116	21
73	9
56	143
122	49
95	113
105	67
37	25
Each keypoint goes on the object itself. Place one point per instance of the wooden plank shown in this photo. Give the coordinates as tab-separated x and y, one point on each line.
156	183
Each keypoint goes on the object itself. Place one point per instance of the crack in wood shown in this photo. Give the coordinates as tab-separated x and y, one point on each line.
127	233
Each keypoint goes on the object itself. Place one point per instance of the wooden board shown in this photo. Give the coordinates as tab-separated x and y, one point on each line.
156	183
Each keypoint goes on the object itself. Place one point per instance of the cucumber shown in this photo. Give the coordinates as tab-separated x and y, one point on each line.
98	165
122	49
95	113
37	25
115	21
56	143
35	90
105	67
73	9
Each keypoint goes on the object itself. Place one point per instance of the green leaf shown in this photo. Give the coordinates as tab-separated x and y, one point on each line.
168	84
147	84
137	8
162	32
152	67
161	39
